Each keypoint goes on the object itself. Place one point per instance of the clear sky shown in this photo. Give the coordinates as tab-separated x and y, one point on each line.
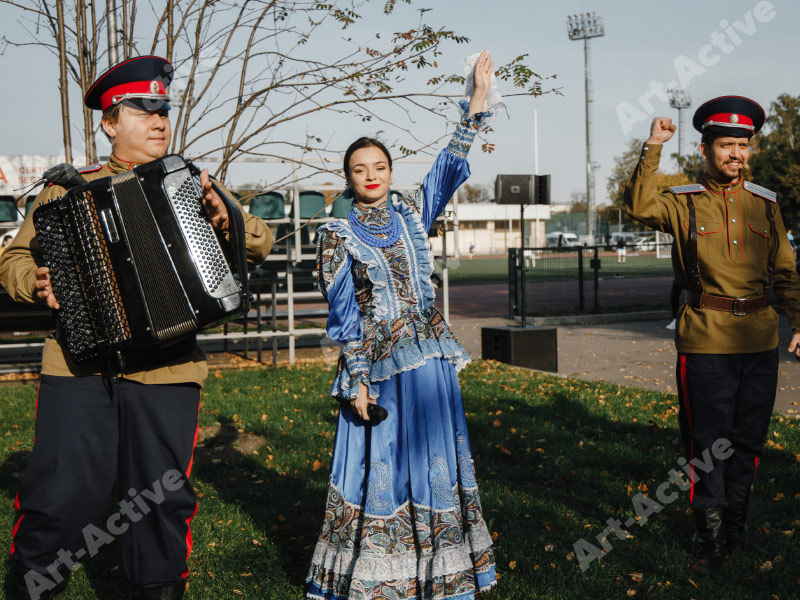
646	41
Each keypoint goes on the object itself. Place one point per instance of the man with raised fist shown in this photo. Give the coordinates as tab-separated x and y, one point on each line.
731	249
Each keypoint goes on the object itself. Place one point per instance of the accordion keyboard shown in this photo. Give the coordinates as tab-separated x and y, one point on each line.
80	268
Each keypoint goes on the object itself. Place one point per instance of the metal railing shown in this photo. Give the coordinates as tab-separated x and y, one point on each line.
590	279
287	309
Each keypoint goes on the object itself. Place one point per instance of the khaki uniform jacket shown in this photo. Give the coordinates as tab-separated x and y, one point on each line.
733	245
18	266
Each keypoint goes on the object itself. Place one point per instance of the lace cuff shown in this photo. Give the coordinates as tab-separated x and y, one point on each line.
466	131
353	369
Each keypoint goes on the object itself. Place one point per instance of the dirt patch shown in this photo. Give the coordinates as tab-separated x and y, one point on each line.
226	444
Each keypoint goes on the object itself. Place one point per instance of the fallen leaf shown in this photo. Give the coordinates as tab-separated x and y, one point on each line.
765	567
512	564
637	577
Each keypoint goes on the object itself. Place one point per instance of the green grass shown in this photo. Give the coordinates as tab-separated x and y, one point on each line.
555	459
557	267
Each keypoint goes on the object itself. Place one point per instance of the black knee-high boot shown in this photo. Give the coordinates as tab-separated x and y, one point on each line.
737	495
738	498
711	527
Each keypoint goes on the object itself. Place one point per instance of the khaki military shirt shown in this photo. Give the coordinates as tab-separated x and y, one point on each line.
733	245
18	266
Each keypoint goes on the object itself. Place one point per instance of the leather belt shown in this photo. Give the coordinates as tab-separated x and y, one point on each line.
737	306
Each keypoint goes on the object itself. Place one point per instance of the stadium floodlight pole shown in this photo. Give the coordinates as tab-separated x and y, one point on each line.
583	27
680	100
111	24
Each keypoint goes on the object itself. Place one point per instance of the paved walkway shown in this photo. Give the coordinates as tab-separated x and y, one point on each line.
638	353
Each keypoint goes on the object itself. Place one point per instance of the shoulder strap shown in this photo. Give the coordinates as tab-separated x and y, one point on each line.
760	191
692	261
692	188
773	250
237	235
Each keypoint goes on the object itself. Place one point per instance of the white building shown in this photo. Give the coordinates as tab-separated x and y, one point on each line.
491	228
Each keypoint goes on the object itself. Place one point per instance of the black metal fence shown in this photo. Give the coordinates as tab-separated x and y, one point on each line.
590	279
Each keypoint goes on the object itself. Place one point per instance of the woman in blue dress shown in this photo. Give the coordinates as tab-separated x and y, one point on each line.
403	519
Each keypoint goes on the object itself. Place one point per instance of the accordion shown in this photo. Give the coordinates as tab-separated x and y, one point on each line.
134	261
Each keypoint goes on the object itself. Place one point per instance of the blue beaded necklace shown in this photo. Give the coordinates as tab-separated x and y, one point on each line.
371	234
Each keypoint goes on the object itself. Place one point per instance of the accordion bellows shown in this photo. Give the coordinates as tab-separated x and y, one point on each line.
134	261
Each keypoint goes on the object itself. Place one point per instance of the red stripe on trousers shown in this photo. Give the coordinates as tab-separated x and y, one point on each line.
16	497
189	539
196	506
687	407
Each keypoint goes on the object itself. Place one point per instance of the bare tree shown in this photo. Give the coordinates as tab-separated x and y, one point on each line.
244	70
577	201
473	193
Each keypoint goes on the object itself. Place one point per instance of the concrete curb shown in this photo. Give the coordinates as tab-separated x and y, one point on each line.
648	315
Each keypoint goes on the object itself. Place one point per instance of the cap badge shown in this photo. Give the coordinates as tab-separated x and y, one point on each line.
154	89
734	118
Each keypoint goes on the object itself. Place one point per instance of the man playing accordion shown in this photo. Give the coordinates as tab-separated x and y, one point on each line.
95	424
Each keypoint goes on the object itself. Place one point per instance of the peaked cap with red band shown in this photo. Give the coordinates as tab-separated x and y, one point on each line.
735	116
141	82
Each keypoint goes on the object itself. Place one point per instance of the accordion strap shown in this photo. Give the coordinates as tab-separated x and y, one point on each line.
237	239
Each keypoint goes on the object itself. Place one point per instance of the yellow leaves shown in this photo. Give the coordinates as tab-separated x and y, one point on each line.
495	535
779	496
512	565
219	375
318	464
497	423
256	542
775	445
765	567
549	547
631	592
637	577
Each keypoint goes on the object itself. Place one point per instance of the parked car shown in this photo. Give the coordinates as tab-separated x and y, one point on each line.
561	239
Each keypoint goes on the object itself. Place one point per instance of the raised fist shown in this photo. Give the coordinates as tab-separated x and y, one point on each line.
661	130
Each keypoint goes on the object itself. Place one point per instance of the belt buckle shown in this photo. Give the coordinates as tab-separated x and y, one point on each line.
744	309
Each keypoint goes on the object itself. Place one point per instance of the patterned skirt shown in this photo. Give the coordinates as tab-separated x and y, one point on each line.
403	519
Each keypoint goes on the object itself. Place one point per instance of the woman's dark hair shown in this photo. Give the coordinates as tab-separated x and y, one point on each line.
363	142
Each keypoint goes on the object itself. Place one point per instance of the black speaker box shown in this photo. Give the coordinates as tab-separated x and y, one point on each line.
531	347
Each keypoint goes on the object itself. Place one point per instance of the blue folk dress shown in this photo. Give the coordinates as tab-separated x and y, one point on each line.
403	518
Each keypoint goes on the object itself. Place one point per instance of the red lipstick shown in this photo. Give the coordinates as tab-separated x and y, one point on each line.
373	186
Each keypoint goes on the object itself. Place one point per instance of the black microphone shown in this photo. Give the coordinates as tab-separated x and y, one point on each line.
376	413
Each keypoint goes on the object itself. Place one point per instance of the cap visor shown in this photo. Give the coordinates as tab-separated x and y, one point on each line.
737	132
147	104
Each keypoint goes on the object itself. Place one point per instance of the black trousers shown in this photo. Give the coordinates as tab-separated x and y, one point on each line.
726	401
89	431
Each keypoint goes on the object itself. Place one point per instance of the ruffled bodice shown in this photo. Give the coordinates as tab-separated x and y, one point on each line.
382	299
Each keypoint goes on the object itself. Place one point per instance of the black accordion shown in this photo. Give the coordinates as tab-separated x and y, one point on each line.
134	261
